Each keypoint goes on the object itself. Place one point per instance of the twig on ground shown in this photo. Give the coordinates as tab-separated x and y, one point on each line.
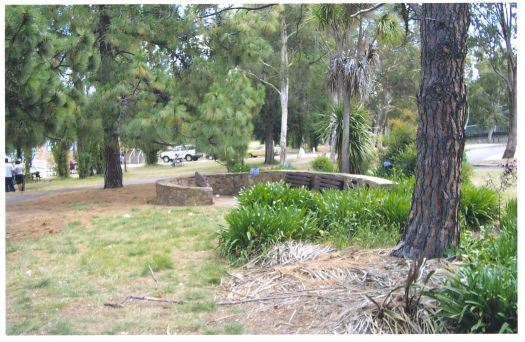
154	299
242	301
153	276
145	298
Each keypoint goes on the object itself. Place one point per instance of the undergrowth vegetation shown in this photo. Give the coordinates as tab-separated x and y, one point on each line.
324	164
481	296
369	217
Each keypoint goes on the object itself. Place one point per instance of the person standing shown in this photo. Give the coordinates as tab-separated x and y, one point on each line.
19	176
71	166
9	186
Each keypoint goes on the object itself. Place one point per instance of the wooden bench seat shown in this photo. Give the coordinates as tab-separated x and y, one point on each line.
323	182
298	179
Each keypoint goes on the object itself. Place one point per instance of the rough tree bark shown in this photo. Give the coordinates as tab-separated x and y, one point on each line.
433	219
112	168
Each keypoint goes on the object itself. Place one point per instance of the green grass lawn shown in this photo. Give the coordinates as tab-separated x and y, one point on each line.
491	176
132	173
58	283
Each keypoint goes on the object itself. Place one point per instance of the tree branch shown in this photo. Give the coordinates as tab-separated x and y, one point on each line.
268	65
237	8
500	74
262	80
366	10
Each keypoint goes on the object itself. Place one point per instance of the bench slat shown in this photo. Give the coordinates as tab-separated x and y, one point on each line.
298	180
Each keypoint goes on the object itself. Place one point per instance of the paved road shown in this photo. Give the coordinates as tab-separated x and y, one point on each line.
477	154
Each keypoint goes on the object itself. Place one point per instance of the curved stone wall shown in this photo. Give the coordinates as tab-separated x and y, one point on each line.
175	192
183	191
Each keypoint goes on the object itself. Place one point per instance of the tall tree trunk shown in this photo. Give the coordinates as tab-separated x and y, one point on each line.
269	152
512	141
112	169
506	18
345	159
433	219
283	94
28	159
489	136
83	157
60	153
111	149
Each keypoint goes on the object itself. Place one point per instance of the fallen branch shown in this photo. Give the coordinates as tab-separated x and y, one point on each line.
145	298
154	299
260	299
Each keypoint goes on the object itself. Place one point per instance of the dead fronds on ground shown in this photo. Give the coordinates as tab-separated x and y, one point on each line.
311	289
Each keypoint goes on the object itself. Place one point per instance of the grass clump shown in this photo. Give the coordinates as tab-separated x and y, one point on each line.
478	205
254	228
481	295
157	263
275	212
38	284
270	213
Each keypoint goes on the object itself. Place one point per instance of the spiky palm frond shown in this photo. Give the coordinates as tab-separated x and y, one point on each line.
360	146
355	76
337	17
388	29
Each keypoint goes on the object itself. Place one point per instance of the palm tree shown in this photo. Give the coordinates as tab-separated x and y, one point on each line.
360	147
351	67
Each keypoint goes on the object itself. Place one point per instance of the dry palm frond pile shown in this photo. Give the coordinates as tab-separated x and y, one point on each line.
299	288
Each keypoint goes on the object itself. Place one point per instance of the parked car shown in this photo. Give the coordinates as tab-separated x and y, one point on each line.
256	151
187	152
260	150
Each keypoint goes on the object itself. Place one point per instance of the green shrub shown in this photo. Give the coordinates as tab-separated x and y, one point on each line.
238	167
401	136
253	229
505	248
274	212
277	195
323	164
405	160
478	205
481	296
368	211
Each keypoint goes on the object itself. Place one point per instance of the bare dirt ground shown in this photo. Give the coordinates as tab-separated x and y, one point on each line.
324	294
46	214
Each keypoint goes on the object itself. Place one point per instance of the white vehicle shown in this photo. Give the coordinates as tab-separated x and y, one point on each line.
187	152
